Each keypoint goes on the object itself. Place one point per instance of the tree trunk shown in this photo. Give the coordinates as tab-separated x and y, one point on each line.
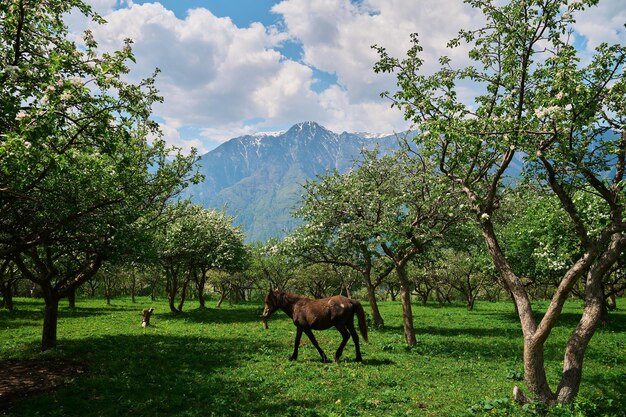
535	372
371	296
611	302
221	299
133	286
7	296
50	319
200	282
183	295
171	287
170	303
470	300
580	338
201	299
348	290
407	310
71	298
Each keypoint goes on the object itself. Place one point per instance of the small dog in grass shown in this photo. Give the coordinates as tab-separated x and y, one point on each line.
145	317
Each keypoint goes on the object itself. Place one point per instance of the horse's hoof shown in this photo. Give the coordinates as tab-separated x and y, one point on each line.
292	358
359	359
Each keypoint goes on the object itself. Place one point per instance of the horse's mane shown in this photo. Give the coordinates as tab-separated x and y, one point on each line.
285	298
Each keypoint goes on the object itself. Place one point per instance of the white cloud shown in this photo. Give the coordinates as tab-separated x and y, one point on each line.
213	73
173	138
225	81
337	35
343	114
604	23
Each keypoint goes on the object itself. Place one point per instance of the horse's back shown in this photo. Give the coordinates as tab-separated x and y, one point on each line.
324	313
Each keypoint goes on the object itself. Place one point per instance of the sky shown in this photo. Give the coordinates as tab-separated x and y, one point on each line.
235	67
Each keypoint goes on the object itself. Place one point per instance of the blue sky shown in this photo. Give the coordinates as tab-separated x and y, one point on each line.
234	67
241	12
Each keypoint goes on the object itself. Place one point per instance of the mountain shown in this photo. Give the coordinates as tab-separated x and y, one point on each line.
258	178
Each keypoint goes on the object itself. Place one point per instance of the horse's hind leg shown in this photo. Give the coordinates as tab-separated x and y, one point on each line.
294	356
355	338
346	336
317	346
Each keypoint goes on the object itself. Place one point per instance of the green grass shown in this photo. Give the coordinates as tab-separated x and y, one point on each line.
222	362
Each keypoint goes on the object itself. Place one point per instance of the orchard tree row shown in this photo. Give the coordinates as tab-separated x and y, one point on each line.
540	111
86	179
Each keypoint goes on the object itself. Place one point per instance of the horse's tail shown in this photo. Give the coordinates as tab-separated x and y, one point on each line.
360	313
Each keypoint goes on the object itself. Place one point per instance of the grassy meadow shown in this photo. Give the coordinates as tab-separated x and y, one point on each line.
222	363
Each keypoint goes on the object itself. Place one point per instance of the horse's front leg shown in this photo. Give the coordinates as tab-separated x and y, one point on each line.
317	346
294	356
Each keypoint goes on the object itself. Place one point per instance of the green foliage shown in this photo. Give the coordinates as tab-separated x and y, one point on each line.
202	238
83	169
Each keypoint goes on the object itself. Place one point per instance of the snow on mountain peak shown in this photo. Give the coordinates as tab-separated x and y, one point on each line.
368	135
272	134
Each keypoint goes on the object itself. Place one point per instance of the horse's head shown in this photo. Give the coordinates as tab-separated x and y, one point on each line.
272	303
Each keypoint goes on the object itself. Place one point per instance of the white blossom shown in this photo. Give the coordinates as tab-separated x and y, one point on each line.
45	100
27	144
12	69
20	115
66	96
484	217
568	107
76	81
546	111
560	95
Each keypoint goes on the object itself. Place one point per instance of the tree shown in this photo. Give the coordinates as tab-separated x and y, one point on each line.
317	280
194	241
337	214
387	206
536	105
8	280
220	246
82	167
270	265
414	212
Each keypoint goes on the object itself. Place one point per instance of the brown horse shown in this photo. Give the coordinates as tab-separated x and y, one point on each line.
309	315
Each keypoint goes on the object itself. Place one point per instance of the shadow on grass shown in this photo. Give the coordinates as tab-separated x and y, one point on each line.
455	331
611	387
156	375
617	322
19	318
216	315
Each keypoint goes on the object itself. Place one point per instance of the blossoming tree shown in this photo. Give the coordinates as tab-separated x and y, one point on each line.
78	177
536	103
